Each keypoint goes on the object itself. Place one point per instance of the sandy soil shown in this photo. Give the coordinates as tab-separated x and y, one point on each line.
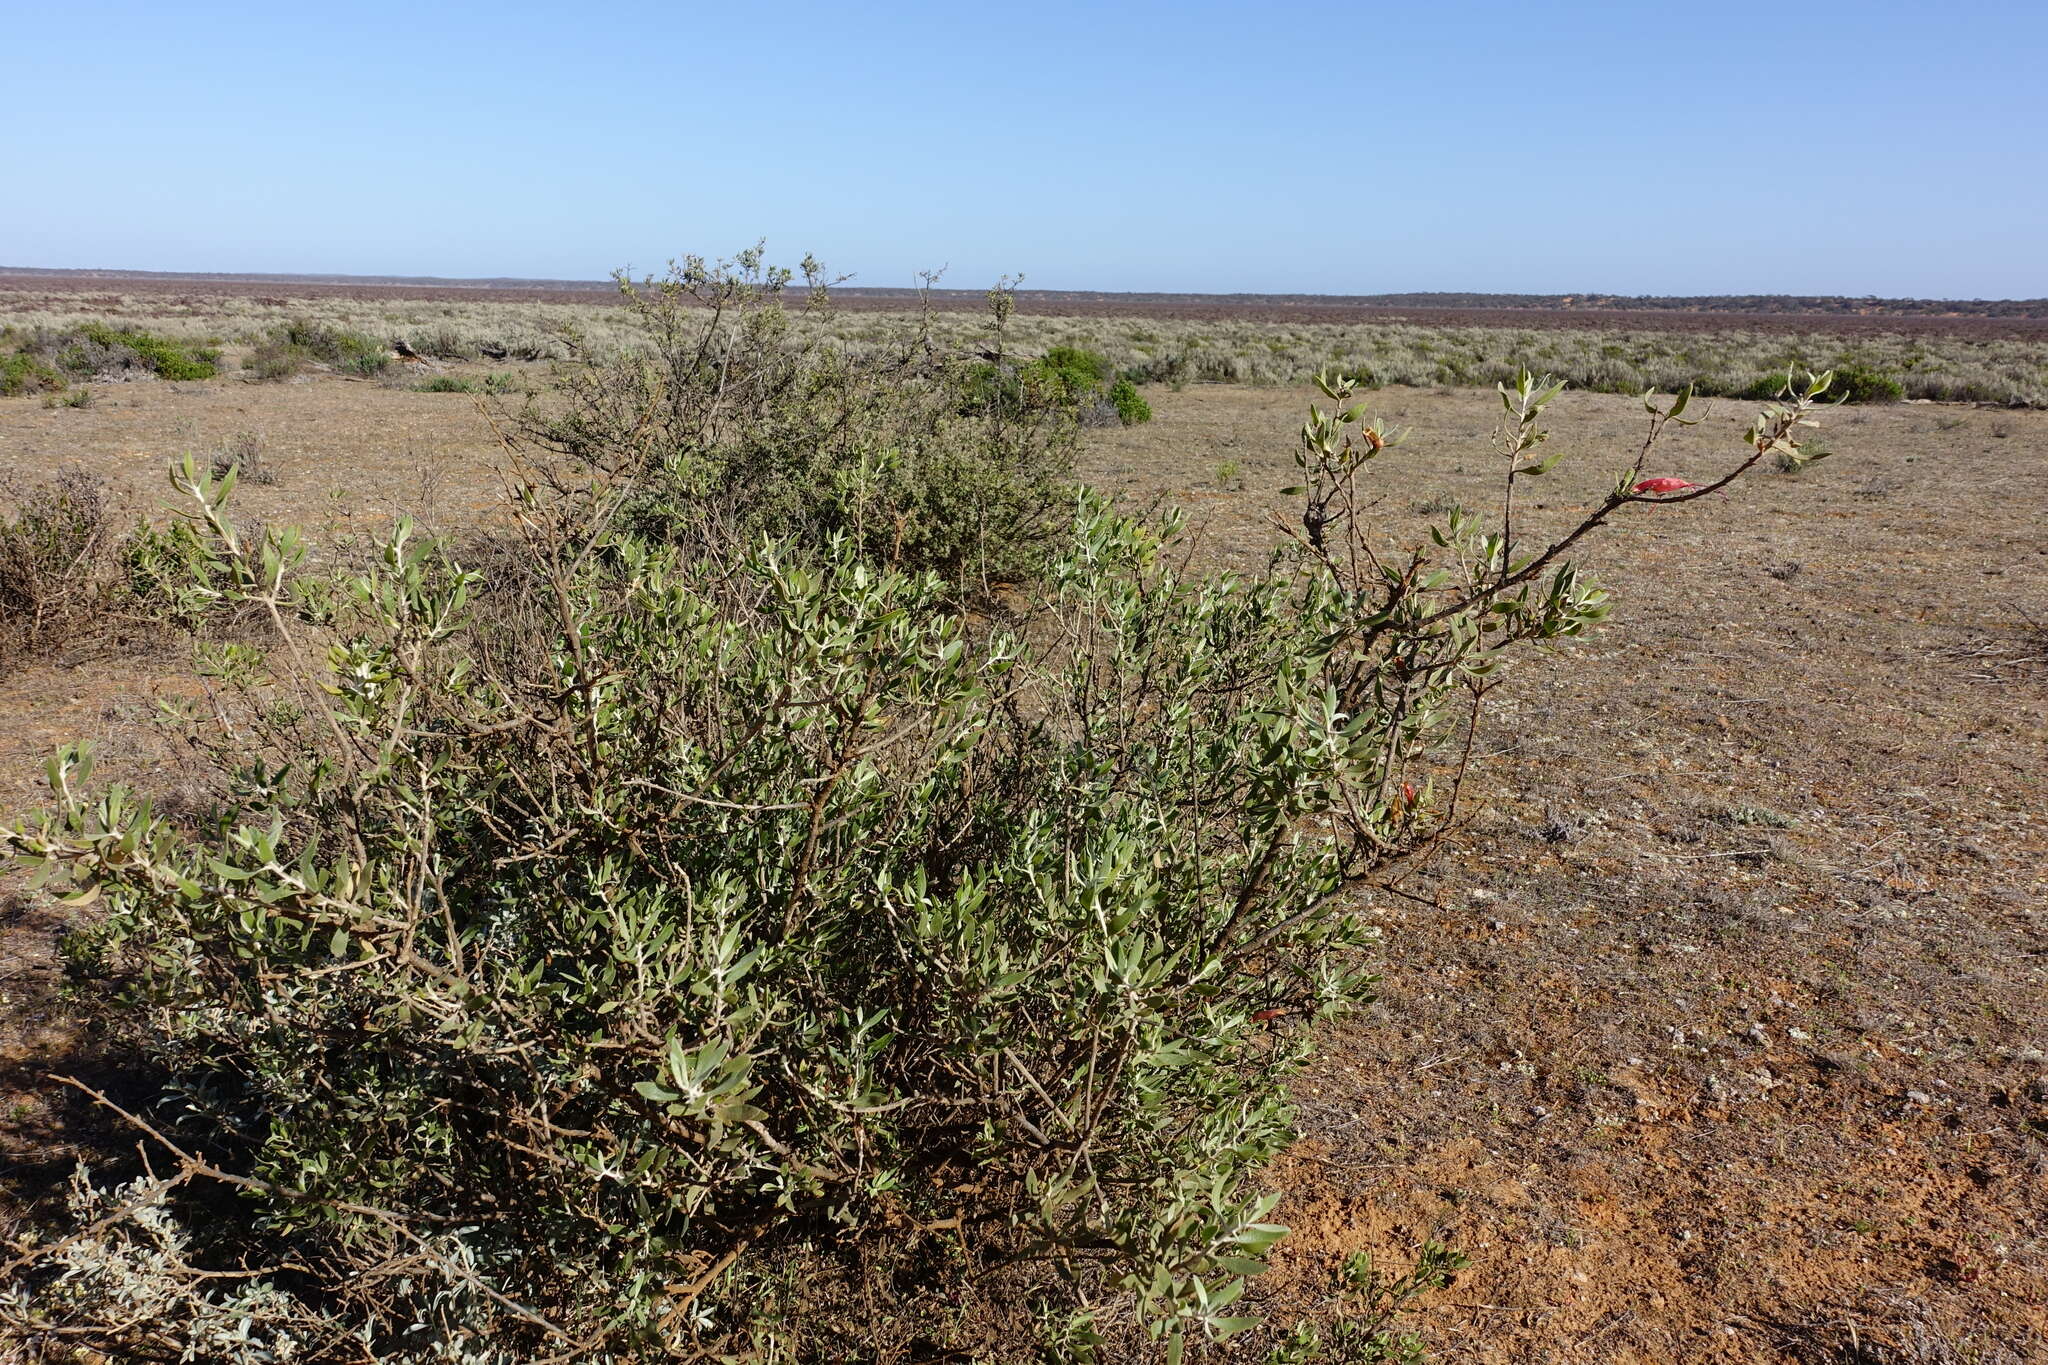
1717	1037
1720	1037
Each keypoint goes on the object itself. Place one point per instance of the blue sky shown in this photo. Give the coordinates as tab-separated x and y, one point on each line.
1851	148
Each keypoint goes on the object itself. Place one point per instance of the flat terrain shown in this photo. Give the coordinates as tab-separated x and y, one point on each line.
2021	320
1719	1035
1721	1038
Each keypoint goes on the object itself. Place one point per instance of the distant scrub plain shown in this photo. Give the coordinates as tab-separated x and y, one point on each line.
1734	355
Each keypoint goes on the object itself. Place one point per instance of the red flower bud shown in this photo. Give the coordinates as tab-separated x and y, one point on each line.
1663	485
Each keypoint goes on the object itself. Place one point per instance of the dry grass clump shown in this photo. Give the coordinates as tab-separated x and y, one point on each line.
60	552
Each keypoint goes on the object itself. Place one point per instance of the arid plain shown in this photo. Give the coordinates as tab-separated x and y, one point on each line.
1719	1038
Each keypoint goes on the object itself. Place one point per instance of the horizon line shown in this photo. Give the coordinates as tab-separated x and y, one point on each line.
1580	297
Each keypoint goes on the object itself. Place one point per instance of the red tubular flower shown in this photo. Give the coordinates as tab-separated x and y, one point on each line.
1663	485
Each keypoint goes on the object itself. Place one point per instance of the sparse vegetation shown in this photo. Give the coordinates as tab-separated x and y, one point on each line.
454	383
1728	360
275	358
288	348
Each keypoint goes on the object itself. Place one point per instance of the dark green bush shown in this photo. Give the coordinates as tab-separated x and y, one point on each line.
1857	384
1070	375
1131	407
1853	384
1074	383
41	358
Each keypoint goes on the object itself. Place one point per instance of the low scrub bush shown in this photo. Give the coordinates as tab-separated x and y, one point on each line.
43	360
727	421
276	358
762	943
1858	384
1084	383
59	562
1076	385
452	383
442	343
167	358
24	374
1131	407
99	348
1853	384
289	348
244	454
1070	375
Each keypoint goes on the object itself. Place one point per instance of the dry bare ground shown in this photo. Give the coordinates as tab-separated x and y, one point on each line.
1718	1036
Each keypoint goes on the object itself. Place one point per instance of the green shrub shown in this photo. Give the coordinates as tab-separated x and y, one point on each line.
454	383
1131	407
21	373
1852	384
302	341
445	383
986	387
1067	383
363	355
1070	375
165	358
771	938
1857	384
